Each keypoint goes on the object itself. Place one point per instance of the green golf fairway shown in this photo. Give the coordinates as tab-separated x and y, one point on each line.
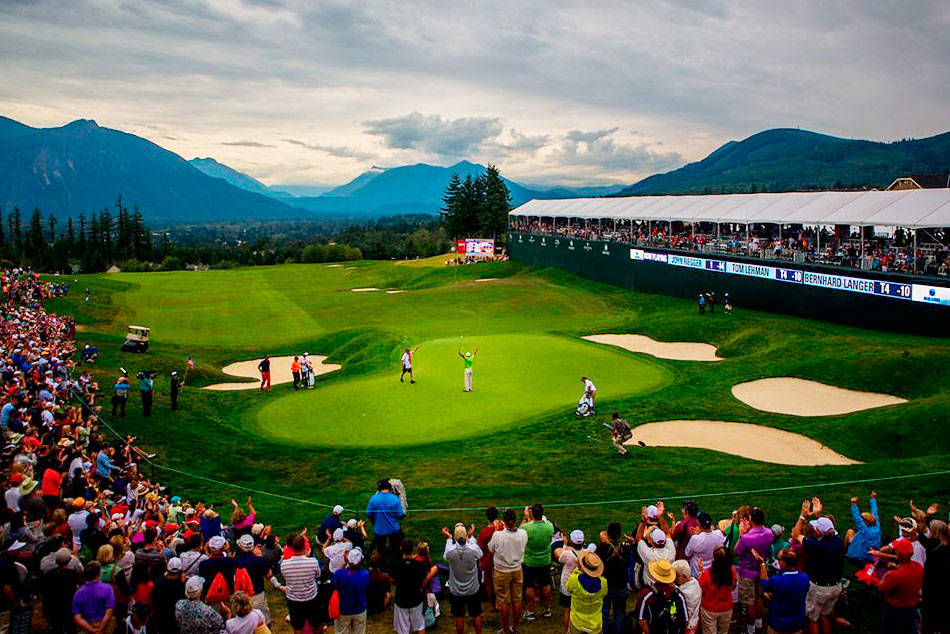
514	378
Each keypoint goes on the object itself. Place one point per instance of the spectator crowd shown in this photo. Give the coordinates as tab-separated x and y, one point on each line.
94	545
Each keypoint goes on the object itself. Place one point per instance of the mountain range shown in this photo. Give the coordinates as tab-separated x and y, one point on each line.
787	159
83	168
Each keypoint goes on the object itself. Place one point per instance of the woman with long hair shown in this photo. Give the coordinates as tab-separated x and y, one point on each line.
717	583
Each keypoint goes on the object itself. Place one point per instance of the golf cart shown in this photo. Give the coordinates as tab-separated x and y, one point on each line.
136	339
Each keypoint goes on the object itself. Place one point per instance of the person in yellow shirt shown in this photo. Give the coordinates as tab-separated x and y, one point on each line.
587	588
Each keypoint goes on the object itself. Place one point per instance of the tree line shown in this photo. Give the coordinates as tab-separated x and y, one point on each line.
477	207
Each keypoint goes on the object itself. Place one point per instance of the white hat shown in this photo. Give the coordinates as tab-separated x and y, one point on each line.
216	543
245	542
652	511
577	536
355	556
174	565
658	536
352	523
823	525
194	585
338	510
468	354
338	535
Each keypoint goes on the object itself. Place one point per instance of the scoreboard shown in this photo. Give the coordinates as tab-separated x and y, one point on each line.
475	247
924	293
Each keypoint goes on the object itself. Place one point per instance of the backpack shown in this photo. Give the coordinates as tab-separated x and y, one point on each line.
333	608
242	582
218	592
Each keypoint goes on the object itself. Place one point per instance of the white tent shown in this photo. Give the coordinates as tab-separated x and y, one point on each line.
911	208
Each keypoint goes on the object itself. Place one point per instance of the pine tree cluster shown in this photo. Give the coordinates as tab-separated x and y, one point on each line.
477	207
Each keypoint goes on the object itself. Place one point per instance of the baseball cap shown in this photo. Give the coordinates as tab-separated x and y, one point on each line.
352	523
823	525
338	535
577	536
355	556
704	520
194	584
216	543
257	528
338	510
658	536
174	565
907	525
903	547
245	542
652	511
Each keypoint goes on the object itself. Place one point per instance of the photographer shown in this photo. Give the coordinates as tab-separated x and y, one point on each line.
146	390
175	390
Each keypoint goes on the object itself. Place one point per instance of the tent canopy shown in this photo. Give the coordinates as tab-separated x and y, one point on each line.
912	208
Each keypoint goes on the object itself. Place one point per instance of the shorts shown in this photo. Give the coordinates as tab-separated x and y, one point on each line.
537	576
407	368
821	600
508	586
564	600
749	590
407	620
471	604
304	611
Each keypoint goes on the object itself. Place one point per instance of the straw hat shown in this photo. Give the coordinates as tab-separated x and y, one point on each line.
661	570
590	564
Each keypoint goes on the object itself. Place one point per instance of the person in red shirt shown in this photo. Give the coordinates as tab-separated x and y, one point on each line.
485	563
717	583
900	588
50	488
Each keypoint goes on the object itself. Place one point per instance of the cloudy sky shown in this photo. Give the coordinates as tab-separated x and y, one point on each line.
315	92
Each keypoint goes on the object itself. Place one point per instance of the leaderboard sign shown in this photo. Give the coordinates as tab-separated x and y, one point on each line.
898	290
475	247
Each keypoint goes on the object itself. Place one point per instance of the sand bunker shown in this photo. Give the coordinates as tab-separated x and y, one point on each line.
334	266
279	372
393	292
368	289
678	351
486	279
755	442
798	397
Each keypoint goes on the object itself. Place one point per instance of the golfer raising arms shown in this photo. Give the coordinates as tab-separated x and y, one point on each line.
264	367
468	359
407	364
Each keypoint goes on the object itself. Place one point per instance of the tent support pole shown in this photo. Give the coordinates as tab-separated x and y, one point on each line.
915	249
861	230
818	243
748	240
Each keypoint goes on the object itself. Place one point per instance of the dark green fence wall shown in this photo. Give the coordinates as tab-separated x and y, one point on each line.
610	262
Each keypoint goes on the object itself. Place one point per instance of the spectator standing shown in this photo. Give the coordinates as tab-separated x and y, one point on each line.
866	534
663	609
335	551
167	592
94	601
824	563
566	555
901	588
462	555
385	511
300	574
788	589
258	571
410	576
507	547
245	618
691	591
654	547
717	583
703	544
193	615
329	524
755	544
537	561
935	608
57	588
684	529
615	556
486	564
587	588
351	582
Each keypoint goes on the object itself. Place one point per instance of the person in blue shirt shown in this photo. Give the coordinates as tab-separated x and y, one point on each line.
866	534
104	466
352	583
788	589
6	412
146	390
120	395
384	511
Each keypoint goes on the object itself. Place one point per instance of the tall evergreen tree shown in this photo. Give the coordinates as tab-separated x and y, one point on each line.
494	205
451	207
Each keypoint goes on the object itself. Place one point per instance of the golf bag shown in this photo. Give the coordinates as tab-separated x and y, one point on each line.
585	407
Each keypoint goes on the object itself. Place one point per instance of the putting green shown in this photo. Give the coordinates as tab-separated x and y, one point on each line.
516	377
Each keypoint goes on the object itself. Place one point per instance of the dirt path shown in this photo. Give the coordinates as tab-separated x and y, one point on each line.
799	397
279	372
756	442
675	350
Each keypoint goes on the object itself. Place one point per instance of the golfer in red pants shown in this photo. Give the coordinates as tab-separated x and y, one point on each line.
264	367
